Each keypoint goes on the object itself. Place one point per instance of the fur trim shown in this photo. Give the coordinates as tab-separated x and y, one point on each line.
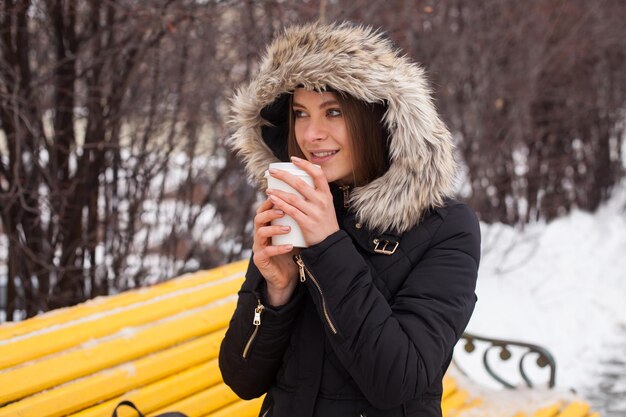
361	63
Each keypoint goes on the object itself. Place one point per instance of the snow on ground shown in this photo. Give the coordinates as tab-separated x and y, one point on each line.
560	285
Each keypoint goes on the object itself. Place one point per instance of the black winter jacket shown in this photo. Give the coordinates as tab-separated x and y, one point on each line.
371	326
366	333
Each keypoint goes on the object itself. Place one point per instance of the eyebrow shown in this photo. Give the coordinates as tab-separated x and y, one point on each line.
326	103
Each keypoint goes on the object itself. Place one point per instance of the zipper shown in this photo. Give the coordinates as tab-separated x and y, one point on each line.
346	195
257	323
303	273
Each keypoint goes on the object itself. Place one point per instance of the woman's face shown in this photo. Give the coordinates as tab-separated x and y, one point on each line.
322	135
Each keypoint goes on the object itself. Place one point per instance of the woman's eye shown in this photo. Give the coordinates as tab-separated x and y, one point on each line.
299	113
334	112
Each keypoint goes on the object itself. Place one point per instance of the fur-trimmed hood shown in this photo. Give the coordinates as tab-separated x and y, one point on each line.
360	62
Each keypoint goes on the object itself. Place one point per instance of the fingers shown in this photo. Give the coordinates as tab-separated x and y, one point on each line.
264	252
263	231
298	184
320	195
264	206
263	256
279	198
293	205
319	178
266	232
265	217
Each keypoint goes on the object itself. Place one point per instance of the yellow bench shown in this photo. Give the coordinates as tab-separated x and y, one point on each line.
157	347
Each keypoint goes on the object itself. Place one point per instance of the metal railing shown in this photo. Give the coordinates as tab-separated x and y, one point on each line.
473	343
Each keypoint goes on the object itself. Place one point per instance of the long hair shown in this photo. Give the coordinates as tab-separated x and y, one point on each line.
368	136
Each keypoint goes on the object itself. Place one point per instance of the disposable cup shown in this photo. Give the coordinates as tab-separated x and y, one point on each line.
294	237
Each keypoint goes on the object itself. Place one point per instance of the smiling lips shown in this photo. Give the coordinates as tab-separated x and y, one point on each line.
322	156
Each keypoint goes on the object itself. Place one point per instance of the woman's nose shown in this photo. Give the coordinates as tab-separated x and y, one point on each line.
315	131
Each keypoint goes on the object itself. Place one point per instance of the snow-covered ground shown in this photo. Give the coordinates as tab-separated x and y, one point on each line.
562	286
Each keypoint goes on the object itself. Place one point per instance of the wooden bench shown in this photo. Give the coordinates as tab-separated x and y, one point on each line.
157	347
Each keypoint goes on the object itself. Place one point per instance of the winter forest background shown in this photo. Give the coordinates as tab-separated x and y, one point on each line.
114	113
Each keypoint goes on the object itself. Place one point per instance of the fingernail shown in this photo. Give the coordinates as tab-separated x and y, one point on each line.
288	247
272	170
273	198
285	228
279	212
296	159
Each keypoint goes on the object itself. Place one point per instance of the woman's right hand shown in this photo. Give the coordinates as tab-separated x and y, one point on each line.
274	262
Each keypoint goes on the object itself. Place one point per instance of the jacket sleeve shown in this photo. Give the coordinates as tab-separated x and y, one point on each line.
396	351
251	376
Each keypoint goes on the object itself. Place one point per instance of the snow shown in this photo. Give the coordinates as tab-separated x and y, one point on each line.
523	400
562	286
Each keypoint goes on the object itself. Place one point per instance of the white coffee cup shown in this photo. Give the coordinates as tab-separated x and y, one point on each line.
294	237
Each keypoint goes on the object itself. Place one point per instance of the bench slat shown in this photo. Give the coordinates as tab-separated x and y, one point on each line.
72	364
203	403
240	409
73	397
107	303
161	393
41	344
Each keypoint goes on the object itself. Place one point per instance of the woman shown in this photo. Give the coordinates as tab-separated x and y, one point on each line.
364	320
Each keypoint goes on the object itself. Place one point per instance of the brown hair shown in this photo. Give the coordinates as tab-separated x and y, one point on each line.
364	122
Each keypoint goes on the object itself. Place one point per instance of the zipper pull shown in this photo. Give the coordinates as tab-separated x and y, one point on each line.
257	314
301	268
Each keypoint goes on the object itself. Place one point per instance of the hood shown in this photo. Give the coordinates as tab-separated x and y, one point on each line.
362	63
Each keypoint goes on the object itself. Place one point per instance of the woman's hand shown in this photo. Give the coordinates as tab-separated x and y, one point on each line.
315	213
274	262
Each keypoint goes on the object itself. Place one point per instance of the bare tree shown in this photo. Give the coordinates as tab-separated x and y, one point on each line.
108	108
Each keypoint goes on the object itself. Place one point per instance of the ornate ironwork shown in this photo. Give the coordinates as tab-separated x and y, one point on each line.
544	357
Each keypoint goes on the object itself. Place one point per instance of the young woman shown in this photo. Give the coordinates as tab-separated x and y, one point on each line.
364	320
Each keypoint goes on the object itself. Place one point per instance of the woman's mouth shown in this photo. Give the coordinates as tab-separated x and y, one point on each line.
322	156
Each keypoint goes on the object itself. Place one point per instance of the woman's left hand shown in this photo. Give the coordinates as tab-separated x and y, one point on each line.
315	213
